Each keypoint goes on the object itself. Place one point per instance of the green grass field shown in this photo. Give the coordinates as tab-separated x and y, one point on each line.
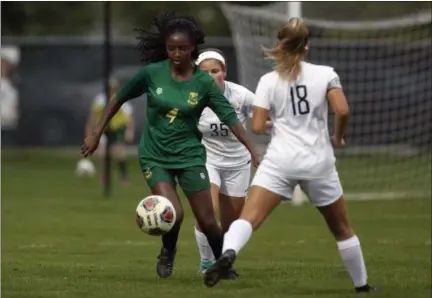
61	238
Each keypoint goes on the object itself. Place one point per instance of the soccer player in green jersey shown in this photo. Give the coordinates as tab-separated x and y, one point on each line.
170	149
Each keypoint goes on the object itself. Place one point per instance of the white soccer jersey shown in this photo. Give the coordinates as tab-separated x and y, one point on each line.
99	103
224	151
300	146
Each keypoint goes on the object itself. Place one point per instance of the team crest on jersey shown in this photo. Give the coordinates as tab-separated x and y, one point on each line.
147	174
193	98
159	91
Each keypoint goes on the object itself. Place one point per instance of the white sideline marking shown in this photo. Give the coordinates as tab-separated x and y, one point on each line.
299	242
385	196
372	196
128	243
34	246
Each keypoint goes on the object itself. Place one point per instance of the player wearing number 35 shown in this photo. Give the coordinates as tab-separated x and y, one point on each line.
228	161
295	96
170	149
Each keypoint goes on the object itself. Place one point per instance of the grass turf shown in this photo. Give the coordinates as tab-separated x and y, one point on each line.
61	238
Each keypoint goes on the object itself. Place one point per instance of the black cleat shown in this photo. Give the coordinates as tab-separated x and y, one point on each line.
220	269
164	266
231	274
365	289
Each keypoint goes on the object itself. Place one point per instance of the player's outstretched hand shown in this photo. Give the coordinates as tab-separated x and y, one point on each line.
338	143
90	145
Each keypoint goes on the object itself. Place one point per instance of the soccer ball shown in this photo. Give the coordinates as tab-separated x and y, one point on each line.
155	215
85	168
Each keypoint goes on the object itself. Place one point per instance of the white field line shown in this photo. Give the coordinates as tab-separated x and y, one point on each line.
373	196
111	243
365	196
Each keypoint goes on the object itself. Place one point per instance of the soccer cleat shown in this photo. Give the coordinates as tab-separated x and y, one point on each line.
220	269
165	264
365	289
204	265
230	275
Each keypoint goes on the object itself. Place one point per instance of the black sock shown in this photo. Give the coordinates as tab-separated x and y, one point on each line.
215	240
123	169
169	240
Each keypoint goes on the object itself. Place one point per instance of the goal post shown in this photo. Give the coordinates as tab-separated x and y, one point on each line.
385	70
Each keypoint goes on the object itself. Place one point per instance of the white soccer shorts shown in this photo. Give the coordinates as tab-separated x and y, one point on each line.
233	183
321	192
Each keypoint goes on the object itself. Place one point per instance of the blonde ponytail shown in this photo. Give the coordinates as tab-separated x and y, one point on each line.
290	50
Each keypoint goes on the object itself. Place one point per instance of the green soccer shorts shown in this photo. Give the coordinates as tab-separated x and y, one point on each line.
116	136
191	179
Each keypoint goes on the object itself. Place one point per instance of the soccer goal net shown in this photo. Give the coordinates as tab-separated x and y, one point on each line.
385	68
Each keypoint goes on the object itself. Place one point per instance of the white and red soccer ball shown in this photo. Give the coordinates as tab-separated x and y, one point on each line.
155	215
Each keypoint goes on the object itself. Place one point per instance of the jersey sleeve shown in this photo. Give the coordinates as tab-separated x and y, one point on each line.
221	106
248	103
135	87
334	81
262	98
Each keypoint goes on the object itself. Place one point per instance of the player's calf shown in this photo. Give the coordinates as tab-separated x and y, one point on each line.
214	237
202	207
230	210
348	244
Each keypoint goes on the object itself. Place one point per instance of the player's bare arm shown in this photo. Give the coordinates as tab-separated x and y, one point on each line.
91	122
339	105
91	141
260	122
240	133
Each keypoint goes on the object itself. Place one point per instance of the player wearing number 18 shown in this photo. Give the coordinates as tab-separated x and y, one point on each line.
170	149
296	95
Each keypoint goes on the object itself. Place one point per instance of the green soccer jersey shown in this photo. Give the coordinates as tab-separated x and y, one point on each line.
170	137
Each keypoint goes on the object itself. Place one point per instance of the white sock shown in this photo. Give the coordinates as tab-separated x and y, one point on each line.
352	257
237	236
204	248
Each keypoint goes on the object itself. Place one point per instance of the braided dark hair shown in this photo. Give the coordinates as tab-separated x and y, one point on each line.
152	42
